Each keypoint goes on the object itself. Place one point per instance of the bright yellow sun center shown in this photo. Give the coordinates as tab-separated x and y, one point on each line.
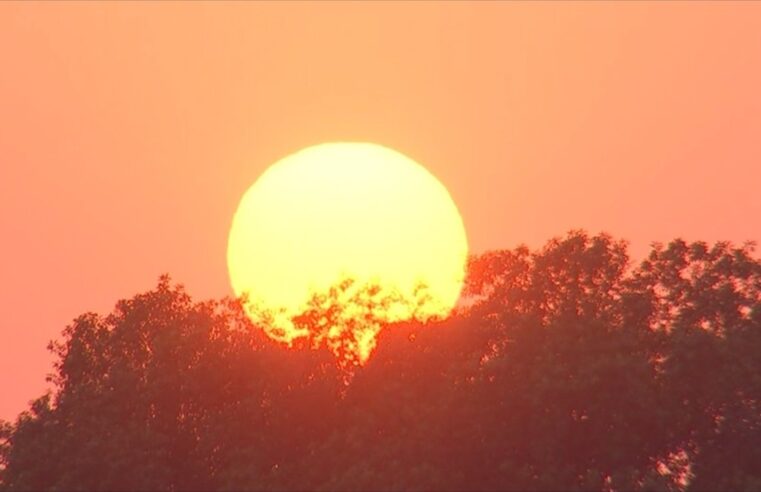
339	210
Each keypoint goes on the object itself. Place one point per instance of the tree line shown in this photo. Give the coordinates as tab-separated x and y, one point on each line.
567	368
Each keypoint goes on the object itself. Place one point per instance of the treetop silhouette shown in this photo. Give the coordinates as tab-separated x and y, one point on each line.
565	368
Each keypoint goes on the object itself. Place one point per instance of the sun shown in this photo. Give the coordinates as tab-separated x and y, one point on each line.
346	210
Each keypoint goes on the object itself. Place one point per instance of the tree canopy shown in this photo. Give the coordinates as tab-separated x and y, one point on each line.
565	368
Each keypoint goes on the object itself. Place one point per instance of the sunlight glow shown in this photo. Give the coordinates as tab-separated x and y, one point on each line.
346	210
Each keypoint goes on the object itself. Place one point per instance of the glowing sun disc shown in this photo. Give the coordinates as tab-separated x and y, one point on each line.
356	210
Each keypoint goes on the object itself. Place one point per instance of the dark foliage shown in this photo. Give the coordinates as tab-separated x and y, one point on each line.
568	370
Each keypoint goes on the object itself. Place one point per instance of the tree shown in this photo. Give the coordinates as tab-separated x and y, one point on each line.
706	304
164	394
565	368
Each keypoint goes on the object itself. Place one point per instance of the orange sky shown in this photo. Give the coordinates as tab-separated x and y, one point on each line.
128	132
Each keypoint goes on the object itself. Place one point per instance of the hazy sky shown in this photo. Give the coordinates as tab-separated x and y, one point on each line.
128	132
